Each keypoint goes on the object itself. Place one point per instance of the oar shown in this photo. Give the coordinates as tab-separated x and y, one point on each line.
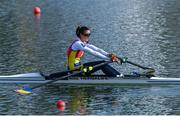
57	74
29	90
151	70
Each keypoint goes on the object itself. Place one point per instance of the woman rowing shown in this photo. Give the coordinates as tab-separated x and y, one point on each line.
80	45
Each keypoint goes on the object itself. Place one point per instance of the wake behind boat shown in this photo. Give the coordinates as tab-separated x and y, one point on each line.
37	77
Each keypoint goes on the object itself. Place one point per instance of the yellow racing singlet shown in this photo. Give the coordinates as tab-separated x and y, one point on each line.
74	57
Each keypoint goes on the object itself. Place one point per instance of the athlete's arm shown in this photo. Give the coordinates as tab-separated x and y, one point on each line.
97	49
80	46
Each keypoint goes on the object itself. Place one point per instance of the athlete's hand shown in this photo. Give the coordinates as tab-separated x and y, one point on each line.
113	57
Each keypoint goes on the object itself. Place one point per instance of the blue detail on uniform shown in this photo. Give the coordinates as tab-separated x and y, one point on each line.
82	44
77	64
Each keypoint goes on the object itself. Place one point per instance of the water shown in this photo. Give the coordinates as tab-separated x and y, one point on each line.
146	31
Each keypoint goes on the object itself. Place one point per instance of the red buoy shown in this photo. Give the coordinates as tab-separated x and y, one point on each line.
60	105
37	11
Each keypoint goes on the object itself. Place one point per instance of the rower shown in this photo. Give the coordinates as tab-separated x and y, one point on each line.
80	45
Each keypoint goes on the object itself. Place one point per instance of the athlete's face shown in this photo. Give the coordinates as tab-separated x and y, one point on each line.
85	36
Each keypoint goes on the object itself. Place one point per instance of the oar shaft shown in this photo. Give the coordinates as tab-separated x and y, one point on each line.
74	74
51	81
136	64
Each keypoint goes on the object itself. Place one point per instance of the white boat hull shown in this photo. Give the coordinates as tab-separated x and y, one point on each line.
37	78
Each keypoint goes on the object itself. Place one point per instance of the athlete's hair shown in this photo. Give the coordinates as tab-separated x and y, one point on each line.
81	30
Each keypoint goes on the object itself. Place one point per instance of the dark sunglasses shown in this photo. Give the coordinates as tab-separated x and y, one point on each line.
87	35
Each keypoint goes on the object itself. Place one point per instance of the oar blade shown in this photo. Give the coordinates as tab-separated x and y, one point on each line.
24	91
150	71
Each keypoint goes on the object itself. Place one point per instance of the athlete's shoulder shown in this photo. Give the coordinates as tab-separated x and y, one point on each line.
78	45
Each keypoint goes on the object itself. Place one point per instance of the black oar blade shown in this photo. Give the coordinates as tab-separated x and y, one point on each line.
24	91
149	72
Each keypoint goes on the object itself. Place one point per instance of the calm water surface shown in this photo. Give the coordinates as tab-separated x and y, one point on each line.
145	31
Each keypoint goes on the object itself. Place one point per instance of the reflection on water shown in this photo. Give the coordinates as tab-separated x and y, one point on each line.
97	100
146	31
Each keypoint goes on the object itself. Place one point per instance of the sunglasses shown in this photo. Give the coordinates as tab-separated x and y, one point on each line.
87	35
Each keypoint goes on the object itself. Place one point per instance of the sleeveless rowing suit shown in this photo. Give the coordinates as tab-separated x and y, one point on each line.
76	51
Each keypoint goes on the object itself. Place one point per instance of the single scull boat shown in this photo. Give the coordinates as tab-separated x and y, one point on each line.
100	79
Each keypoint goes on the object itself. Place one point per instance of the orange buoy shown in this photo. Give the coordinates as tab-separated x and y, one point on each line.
60	105
37	11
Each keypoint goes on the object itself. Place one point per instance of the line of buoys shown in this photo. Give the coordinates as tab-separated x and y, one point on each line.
60	103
